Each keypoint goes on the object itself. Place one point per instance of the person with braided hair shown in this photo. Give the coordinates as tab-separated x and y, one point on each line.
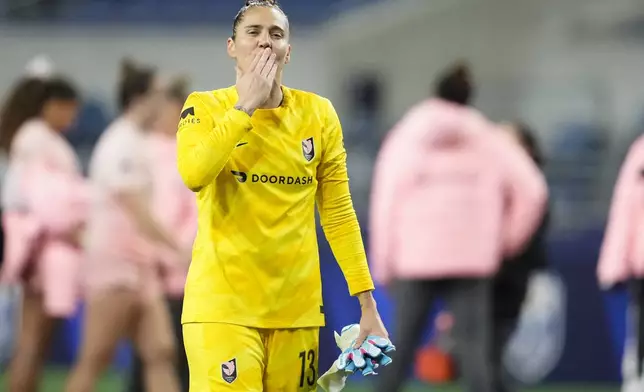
260	156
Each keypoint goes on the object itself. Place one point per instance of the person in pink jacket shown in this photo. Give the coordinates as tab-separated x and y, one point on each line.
621	257
452	197
124	295
175	208
45	202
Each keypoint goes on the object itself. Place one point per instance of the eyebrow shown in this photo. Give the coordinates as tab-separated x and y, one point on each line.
256	26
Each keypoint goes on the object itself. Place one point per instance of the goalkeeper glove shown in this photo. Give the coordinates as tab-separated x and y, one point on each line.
368	357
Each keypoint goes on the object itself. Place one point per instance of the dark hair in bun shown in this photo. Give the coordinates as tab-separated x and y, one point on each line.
455	84
136	81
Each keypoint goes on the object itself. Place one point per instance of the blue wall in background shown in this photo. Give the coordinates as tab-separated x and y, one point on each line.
595	320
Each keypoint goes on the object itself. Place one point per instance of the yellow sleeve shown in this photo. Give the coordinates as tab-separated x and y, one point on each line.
206	139
337	215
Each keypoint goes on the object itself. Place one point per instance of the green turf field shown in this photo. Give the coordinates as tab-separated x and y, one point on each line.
54	381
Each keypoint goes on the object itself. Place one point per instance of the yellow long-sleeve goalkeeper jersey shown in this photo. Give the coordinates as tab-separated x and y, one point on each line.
255	259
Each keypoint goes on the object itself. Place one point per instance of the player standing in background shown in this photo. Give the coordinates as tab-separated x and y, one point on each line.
452	197
175	208
621	260
44	199
124	295
260	155
512	282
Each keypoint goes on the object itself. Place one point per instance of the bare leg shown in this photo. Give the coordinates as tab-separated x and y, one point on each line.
35	336
108	319
154	339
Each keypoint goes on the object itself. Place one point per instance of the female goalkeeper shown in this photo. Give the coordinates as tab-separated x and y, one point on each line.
260	156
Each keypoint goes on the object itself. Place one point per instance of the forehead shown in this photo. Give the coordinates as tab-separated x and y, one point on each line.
264	16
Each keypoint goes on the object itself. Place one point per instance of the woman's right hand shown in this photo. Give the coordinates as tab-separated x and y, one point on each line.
254	85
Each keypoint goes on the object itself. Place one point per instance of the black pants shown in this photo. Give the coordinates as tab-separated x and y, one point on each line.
636	328
136	383
508	295
469	300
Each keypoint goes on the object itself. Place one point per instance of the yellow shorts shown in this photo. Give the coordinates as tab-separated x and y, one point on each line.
227	357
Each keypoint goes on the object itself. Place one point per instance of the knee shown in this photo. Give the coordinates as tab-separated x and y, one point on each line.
24	361
159	352
95	358
23	357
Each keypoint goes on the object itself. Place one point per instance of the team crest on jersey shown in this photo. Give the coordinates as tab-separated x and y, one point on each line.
308	149
229	371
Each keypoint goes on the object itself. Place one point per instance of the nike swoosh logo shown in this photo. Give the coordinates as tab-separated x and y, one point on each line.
241	144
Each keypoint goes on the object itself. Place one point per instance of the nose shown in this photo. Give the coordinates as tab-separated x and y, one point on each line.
265	40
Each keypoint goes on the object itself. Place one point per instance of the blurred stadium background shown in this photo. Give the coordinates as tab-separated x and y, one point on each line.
572	69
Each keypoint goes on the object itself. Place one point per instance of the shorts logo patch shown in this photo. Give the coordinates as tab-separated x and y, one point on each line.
308	149
229	371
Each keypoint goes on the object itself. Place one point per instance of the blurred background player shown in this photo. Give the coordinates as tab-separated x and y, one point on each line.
622	259
124	294
456	197
174	207
259	155
20	97
511	282
44	202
